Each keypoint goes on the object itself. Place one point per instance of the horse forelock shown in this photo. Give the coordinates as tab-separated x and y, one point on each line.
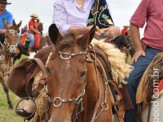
67	42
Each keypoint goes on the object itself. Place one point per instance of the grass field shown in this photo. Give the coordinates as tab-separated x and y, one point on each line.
6	114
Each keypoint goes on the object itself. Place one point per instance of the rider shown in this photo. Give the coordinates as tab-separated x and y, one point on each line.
147	12
80	17
125	30
4	15
33	34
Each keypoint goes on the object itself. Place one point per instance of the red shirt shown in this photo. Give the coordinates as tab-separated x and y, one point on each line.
150	12
34	24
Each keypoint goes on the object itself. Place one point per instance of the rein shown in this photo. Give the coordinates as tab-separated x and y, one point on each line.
104	104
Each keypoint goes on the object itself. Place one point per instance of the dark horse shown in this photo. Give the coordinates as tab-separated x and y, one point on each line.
124	43
8	50
77	85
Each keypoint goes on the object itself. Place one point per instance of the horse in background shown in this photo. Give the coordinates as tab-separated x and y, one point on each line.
8	49
44	41
124	43
40	27
14	24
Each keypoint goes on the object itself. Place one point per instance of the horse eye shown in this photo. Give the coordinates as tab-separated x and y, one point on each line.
48	70
83	74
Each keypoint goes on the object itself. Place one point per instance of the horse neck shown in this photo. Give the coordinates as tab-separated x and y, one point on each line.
91	95
95	92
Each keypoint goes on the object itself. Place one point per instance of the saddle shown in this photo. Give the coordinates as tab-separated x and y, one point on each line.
145	89
22	76
101	55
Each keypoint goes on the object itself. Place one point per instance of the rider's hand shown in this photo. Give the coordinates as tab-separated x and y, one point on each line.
137	54
112	31
97	32
2	31
38	32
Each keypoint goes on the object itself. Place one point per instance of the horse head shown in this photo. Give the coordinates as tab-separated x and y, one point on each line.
67	67
123	42
40	27
14	24
11	37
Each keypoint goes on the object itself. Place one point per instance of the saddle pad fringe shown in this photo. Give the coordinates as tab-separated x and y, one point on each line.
119	68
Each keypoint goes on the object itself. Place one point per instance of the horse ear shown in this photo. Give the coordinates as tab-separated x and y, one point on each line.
14	23
54	34
16	27
5	24
86	39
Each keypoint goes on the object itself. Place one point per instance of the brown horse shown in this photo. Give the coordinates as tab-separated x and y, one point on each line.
44	41
8	49
40	27
77	86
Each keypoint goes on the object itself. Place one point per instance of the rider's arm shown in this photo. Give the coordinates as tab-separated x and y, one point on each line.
2	31
135	37
32	29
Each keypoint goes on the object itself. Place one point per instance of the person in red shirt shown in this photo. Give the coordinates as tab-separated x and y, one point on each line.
32	33
150	15
125	30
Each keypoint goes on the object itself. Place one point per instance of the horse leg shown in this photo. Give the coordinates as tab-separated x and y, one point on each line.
5	88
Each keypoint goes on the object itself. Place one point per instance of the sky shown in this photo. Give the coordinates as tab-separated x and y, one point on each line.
121	11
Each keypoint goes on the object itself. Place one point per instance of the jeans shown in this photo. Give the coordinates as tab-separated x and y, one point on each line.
135	76
31	38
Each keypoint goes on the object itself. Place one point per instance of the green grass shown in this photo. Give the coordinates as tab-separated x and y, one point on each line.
6	114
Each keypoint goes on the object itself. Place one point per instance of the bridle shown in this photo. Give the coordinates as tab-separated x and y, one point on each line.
10	47
58	101
5	46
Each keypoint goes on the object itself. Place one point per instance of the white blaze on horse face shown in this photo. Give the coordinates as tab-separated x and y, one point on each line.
67	64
